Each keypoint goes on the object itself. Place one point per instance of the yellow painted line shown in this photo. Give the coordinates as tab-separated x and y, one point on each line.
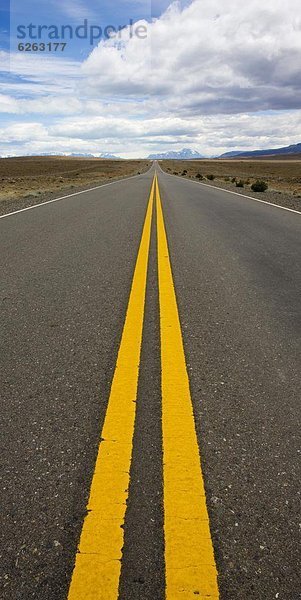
189	558
98	560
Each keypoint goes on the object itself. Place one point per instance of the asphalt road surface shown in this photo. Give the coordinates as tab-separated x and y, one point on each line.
102	491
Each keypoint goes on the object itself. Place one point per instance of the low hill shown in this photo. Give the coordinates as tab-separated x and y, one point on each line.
287	151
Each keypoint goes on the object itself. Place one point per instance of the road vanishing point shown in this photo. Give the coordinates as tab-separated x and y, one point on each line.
150	384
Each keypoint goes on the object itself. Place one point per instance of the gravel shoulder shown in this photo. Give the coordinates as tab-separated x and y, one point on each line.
273	196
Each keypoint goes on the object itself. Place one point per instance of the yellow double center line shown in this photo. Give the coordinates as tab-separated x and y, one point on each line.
189	559
98	561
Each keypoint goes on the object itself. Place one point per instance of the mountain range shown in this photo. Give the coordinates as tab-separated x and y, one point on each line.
103	155
287	150
188	154
185	154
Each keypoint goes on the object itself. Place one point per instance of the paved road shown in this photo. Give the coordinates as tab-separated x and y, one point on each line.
66	275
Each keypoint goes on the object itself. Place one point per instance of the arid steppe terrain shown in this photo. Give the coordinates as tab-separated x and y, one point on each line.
25	181
29	180
283	176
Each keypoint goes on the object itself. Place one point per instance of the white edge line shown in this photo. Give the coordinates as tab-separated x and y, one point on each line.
230	192
97	187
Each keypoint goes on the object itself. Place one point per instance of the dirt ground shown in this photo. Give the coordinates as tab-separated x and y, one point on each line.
281	175
32	177
25	181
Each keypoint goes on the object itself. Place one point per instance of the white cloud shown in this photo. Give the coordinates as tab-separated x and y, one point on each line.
43	73
210	134
213	56
21	132
8	104
213	76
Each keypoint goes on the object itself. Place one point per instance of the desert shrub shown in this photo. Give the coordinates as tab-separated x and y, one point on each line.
233	180
199	176
175	172
259	186
240	183
184	173
211	177
227	178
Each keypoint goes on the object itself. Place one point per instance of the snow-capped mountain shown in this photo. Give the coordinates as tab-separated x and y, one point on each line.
102	155
185	154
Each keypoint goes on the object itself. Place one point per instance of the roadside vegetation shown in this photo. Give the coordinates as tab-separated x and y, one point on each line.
259	186
278	180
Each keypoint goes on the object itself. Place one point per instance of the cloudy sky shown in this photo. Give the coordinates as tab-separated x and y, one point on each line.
210	75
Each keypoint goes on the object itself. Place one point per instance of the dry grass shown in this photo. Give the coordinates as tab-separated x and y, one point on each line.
34	176
282	175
